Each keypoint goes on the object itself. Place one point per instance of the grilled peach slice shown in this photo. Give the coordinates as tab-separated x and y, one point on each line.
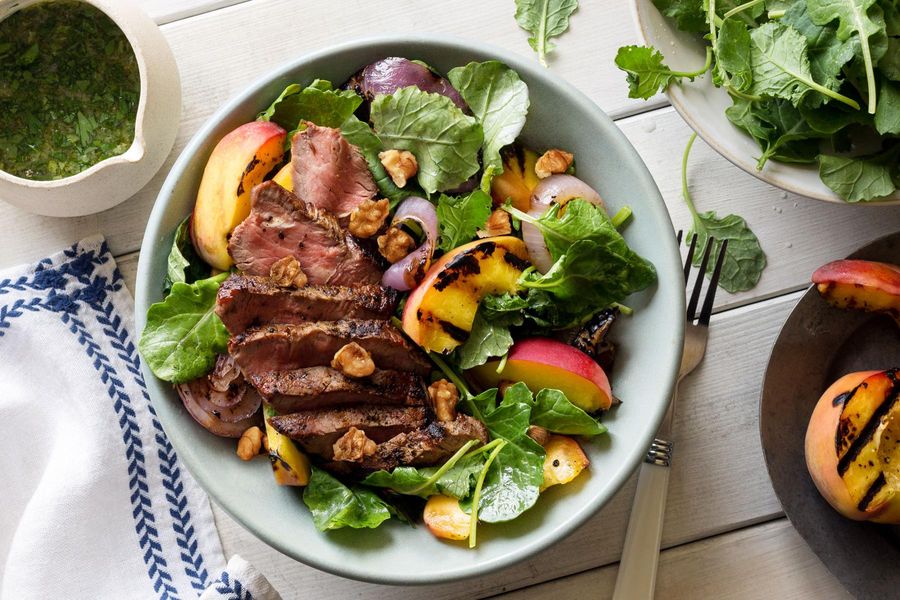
518	179
239	161
564	460
439	313
289	465
445	519
861	284
842	446
546	363
285	177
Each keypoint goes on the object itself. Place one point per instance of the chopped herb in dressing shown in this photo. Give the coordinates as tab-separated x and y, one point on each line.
69	90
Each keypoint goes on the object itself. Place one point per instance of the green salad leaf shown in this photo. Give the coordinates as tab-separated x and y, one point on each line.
334	505
744	259
646	73
887	116
459	217
827	53
498	99
487	339
594	267
361	135
687	14
456	477
853	18
780	62
444	140
858	179
317	103
184	264
734	55
555	412
183	334
544	19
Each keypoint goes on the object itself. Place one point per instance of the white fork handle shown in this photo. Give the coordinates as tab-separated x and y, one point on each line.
636	579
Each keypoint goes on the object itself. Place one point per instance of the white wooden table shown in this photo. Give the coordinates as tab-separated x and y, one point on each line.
725	535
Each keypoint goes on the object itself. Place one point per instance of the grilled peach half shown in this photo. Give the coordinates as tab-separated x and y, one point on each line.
861	284
285	177
445	519
239	161
518	179
547	363
842	446
439	313
564	460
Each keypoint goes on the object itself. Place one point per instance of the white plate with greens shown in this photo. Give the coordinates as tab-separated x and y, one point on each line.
786	135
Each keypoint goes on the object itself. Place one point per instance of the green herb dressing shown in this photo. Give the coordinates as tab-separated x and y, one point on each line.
69	90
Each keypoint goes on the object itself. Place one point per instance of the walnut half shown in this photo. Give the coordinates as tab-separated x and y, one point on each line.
286	272
367	218
552	162
444	397
353	360
400	165
497	224
250	443
353	446
395	244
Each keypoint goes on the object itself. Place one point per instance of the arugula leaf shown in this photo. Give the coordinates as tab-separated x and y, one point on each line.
859	179
827	53
853	18
733	53
487	339
183	335
887	116
554	412
646	73
318	103
593	267
334	505
780	63
361	135
687	14
744	259
460	217
444	140
498	99
184	264
544	19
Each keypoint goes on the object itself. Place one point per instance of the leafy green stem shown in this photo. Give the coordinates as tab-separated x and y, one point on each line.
685	193
476	496
482	449
776	14
711	19
741	8
444	468
502	364
451	375
621	216
700	71
736	92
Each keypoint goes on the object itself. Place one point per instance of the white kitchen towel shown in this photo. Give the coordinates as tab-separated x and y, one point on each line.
94	502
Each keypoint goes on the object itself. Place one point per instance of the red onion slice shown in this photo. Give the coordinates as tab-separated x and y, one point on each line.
193	394
406	273
557	189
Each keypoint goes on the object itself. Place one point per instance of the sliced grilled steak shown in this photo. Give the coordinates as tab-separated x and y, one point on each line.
324	387
428	446
281	224
328	172
318	430
289	347
245	301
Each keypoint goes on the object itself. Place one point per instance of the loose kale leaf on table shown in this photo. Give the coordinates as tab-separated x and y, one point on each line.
544	19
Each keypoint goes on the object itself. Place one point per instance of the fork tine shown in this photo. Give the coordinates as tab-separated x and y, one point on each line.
689	259
678	236
706	311
698	285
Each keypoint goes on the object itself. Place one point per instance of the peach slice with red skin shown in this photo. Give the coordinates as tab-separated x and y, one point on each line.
841	446
547	363
239	161
439	313
860	284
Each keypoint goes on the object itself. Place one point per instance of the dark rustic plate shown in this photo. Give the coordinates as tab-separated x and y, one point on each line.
817	345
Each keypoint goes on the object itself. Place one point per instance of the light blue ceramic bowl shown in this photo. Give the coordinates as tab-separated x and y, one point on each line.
650	341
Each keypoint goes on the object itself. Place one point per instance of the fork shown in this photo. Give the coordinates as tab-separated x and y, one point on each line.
640	556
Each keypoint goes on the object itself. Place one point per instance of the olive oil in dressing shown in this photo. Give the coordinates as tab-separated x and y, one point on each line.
69	90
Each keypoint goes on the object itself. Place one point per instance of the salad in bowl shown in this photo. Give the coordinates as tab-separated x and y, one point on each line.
386	286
